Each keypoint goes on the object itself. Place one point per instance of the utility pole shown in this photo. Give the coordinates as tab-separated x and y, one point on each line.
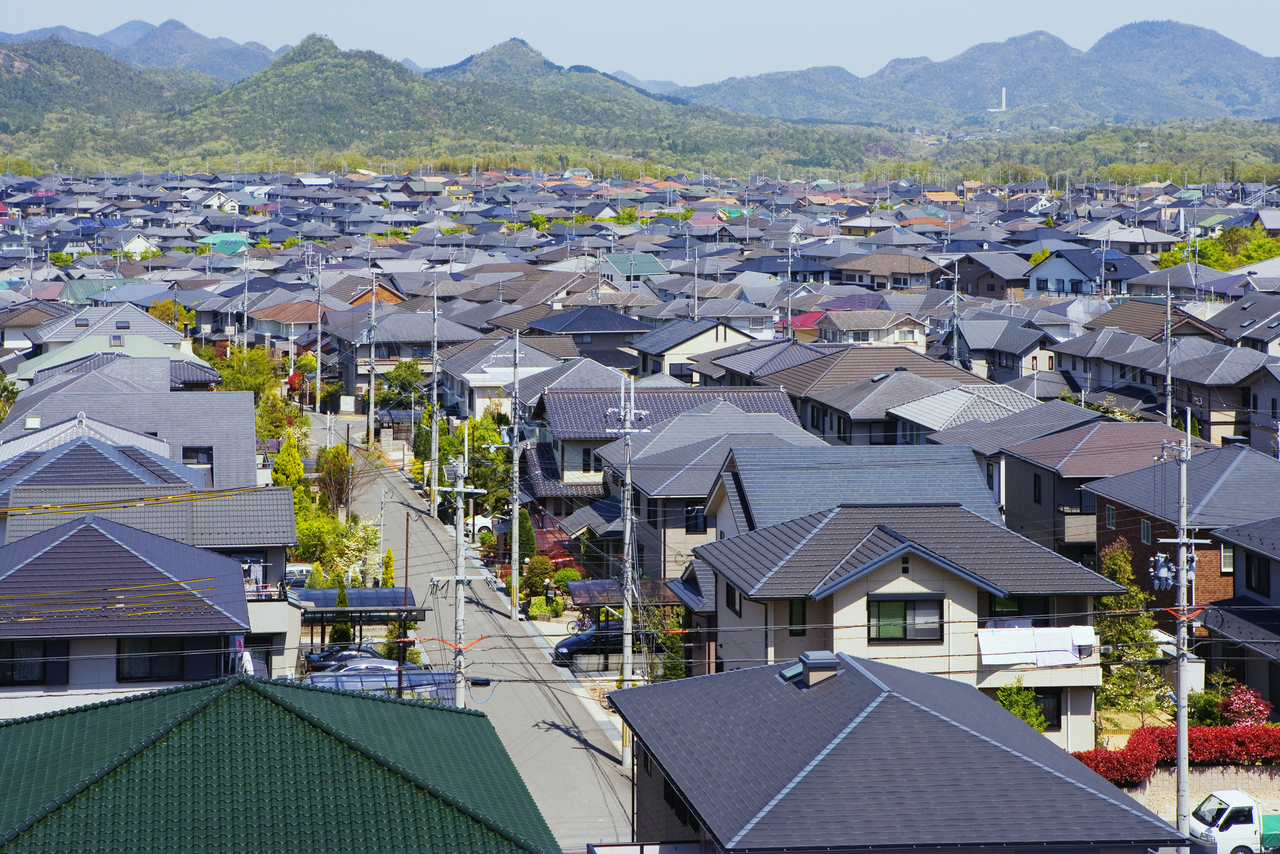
1183	573
435	406
515	483
1168	353
404	617
373	366
627	416
318	272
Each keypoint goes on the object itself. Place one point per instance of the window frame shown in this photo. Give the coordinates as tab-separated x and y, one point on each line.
52	662
797	618
187	655
732	598
1257	574
1050	697
1227	561
1144	531
1037	488
695	517
1111	517
910	623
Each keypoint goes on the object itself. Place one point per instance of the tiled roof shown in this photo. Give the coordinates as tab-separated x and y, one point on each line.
1100	449
542	475
243	764
583	414
1225	486
579	373
846	364
871	399
964	403
591	319
767	479
809	555
987	438
78	571
823	782
671	334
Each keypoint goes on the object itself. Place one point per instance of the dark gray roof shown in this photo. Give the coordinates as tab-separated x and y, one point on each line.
222	420
1254	316
542	477
78	568
773	485
589	319
579	373
671	334
1248	622
872	398
1225	486
813	555
582	414
90	462
602	518
1049	417
817	786
696	588
1262	537
249	518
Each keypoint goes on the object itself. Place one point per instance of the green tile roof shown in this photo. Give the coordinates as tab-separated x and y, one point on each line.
242	764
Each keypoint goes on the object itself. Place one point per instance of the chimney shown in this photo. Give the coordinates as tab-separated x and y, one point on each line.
817	666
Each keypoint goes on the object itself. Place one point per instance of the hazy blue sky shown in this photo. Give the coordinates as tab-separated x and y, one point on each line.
689	41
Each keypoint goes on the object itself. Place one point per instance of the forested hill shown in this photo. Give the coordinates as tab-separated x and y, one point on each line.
1152	71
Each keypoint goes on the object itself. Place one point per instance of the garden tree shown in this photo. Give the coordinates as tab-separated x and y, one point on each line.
390	649
490	460
8	395
305	364
388	570
1021	700
286	469
1234	247
528	543
1125	626
539	571
665	627
164	310
627	216
538	221
263	243
357	552
250	369
290	242
315	578
60	259
341	631
318	532
277	418
1038	257
398	384
333	465
1048	222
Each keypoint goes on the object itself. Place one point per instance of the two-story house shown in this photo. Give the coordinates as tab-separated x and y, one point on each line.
672	347
876	328
934	588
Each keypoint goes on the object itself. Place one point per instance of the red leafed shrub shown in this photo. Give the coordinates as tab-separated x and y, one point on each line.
1244	706
1152	746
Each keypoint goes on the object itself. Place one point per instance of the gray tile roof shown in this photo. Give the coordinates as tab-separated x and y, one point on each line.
78	569
104	320
811	555
987	438
778	484
90	462
583	414
579	373
671	334
222	420
962	404
1262	537
696	587
872	398
602	518
1225	486
1100	449
590	319
802	793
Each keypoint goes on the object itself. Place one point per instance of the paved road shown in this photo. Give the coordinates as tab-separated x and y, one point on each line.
564	746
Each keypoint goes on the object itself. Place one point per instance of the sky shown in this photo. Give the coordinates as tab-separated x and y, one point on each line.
688	41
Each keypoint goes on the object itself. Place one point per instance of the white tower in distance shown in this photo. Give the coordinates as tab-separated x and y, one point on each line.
1001	108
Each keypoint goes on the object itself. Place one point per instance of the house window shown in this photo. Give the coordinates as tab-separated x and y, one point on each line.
1111	517
1042	284
904	620
117	340
796	618
1036	488
586	459
732	599
1244	398
817	418
1051	363
653	512
991	476
1273	409
122	324
899	281
640	558
167	659
757	322
645	761
695	518
1257	574
33	662
1145	532
906	335
1035	363
1050	702
844	429
1228	560
884	433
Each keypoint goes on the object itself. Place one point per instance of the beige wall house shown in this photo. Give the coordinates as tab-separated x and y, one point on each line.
872	328
673	347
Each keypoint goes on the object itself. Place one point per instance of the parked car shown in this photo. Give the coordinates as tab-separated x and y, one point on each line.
603	638
331	658
372	665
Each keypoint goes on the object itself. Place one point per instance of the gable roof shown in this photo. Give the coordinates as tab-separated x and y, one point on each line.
705	737
842	364
590	319
988	437
1223	487
231	765
672	334
1100	449
763	484
1146	318
577	414
814	554
964	403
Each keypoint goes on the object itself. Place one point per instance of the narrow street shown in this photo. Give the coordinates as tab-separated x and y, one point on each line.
563	752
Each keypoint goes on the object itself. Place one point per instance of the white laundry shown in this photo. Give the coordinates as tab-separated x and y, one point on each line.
1007	646
1055	647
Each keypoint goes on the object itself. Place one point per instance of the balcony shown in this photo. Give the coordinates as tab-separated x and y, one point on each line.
1040	656
1078	526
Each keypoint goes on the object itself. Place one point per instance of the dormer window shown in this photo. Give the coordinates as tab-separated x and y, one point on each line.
122	324
82	322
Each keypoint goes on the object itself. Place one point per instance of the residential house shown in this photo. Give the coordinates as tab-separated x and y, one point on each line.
229	765
998	347
702	779
886	270
1085	271
1044	479
474	377
857	413
1252	322
926	415
916	586
1223	489
994	275
876	328
1147	318
20	318
597	332
672	347
396	337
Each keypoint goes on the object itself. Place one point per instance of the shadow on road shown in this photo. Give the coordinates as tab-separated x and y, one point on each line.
576	734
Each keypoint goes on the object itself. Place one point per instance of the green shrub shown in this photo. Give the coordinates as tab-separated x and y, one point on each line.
565	575
538	605
1203	708
1022	702
540	569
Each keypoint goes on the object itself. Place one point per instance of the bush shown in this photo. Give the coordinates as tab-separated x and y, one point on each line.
1021	701
1244	707
538	605
565	575
1203	709
539	570
1151	746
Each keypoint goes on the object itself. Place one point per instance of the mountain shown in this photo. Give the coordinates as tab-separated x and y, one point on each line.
126	34
1149	71
170	45
657	87
412	66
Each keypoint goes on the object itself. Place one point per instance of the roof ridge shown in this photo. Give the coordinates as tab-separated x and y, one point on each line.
803	542
1216	484
125	756
257	685
877	527
1025	758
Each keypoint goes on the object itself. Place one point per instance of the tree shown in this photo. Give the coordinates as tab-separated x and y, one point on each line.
164	310
290	242
1038	257
250	369
333	465
1021	701
305	364
398	384
286	469
60	259
315	578
539	571
627	216
490	460
1048	222
388	570
341	632
277	418
528	541
8	395
538	221
1125	626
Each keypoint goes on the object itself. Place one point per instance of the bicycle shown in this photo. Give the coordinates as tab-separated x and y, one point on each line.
580	625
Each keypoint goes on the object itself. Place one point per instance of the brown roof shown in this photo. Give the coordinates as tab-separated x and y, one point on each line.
287	312
522	318
1146	319
860	363
866	319
884	264
1101	449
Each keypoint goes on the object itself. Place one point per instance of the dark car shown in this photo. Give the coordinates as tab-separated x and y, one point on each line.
603	638
331	658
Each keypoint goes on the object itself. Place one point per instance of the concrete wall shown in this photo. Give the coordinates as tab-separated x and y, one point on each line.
1159	793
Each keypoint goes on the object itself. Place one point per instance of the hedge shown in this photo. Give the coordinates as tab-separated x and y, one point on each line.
1207	745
